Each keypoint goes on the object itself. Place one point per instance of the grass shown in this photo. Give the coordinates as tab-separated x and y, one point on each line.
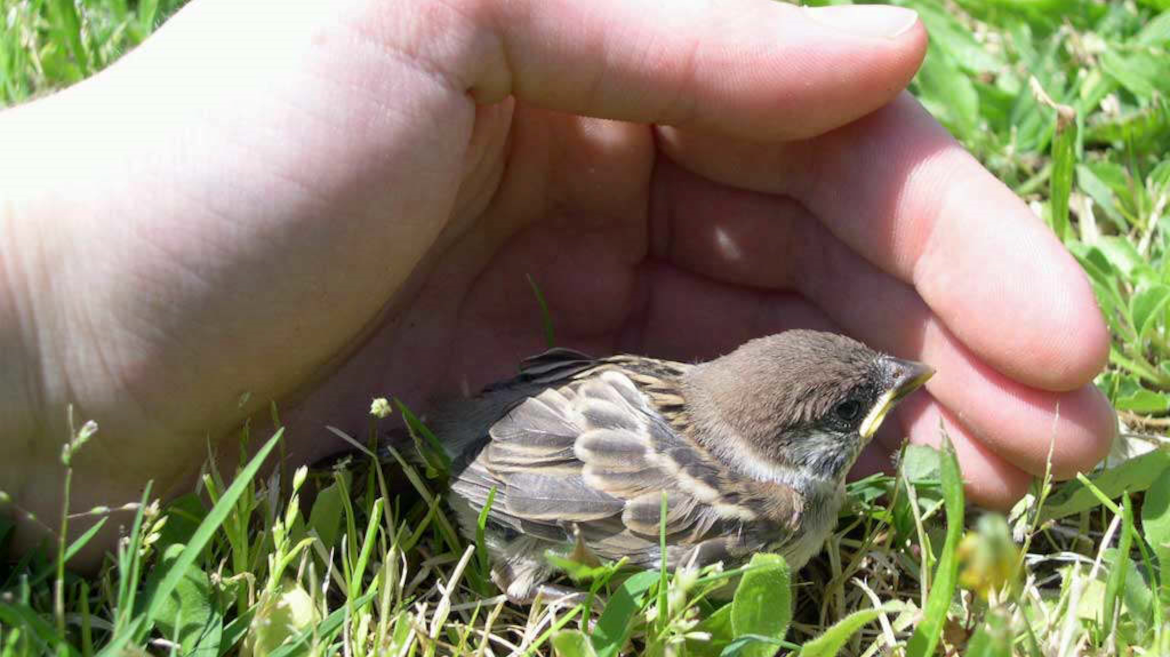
1064	100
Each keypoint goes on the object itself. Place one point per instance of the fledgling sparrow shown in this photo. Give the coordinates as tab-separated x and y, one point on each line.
751	449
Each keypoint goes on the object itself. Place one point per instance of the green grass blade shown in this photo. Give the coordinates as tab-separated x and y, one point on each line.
481	550
1115	584
927	634
19	615
554	629
614	626
68	24
663	608
833	639
1063	166
1156	525
359	569
120	641
71	551
129	565
433	447
550	336
207	530
235	631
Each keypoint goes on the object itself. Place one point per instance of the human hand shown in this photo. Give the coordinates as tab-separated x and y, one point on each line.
350	206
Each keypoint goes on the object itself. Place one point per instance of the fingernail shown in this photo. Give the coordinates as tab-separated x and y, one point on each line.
884	21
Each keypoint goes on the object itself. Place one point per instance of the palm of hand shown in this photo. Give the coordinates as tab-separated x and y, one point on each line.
635	253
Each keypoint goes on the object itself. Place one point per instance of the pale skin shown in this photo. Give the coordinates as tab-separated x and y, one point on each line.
319	203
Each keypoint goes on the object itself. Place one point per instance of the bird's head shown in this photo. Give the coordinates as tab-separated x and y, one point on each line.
807	401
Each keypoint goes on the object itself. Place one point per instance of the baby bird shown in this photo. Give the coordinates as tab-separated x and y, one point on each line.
751	450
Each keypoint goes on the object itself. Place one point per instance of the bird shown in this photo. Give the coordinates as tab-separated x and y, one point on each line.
750	451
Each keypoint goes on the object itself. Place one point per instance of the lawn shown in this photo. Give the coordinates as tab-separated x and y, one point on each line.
1064	100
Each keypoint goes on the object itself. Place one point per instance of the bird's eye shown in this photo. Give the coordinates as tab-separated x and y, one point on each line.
848	410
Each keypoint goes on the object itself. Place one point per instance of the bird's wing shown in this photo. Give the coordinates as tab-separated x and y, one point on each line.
553	367
595	454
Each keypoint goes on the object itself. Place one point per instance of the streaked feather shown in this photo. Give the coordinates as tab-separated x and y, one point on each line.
588	446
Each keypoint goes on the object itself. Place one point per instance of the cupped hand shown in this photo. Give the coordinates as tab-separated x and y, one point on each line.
348	202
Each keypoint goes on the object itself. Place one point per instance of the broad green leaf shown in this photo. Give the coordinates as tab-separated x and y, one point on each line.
1046	13
323	630
1096	189
190	614
1090	605
1141	72
934	615
283	615
1118	22
1112	174
1103	279
921	464
183	517
1156	518
1094	261
616	622
955	38
1160	5
763	603
325	517
1129	192
830	642
1160	178
1156	32
1143	401
1124	256
992	639
948	94
1142	127
572	643
718	625
1132	476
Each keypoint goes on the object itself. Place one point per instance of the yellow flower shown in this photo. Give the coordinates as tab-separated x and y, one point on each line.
988	557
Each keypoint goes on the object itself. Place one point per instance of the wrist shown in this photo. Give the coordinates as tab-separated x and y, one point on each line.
26	452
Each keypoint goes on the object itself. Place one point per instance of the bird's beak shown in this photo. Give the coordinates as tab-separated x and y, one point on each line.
902	377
